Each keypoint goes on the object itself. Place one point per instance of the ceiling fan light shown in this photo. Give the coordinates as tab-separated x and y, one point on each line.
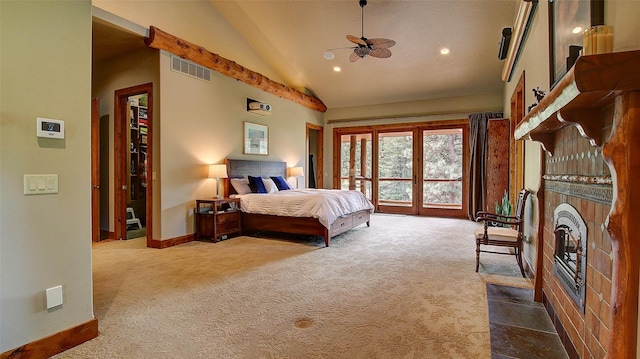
362	51
328	55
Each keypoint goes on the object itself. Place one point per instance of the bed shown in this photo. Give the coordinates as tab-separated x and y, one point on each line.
342	220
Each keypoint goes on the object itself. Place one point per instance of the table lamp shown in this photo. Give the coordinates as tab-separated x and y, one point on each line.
217	172
296	172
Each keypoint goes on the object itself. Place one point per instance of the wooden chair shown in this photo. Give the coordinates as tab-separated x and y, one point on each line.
509	236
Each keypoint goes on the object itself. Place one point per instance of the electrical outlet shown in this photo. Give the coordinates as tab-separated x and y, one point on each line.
54	297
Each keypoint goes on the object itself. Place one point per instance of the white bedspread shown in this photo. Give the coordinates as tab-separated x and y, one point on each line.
324	204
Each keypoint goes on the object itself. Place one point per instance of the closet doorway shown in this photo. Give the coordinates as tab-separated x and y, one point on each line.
133	162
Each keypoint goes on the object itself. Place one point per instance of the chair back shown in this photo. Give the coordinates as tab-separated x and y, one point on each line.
522	201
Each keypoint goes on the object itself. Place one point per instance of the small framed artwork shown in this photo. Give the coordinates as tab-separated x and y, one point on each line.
256	139
568	19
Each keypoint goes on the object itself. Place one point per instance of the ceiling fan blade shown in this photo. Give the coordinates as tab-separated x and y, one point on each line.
343	48
381	43
356	40
354	57
381	53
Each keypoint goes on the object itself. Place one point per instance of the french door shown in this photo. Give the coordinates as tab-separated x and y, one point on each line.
397	177
443	190
413	169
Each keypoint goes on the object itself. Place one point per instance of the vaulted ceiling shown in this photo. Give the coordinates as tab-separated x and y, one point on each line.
292	37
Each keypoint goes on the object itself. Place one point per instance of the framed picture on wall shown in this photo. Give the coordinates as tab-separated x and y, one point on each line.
256	139
568	19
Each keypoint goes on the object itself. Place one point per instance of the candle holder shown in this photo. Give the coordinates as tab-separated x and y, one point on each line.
598	40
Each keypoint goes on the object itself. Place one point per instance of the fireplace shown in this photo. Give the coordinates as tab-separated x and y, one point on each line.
570	257
588	124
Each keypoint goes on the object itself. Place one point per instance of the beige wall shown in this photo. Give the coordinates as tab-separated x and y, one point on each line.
431	107
202	123
45	240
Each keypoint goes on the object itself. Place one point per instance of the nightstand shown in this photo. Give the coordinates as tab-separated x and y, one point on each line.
217	217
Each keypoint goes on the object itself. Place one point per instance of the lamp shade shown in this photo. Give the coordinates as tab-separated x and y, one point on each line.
218	171
296	172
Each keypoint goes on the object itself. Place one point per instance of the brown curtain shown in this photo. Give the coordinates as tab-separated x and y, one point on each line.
478	124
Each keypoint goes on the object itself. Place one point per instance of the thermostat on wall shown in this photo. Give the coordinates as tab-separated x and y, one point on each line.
50	128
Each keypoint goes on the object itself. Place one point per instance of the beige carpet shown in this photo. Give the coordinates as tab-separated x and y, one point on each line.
403	288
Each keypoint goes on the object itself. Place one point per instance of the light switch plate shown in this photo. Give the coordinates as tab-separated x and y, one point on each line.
40	184
54	296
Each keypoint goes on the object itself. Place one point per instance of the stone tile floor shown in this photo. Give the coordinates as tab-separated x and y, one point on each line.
520	327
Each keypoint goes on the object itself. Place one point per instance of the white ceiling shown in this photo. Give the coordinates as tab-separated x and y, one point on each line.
292	36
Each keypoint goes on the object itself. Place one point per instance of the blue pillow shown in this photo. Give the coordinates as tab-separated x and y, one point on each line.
281	183
256	185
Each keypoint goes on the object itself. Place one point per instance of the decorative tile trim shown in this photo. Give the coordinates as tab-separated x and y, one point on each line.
601	193
604	180
575	156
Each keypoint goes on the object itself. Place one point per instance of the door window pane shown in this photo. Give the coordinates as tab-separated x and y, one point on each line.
356	154
395	193
442	168
395	168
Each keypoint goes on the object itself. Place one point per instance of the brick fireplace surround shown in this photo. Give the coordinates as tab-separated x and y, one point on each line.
589	125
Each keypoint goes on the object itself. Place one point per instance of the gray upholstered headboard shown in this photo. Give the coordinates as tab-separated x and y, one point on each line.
244	168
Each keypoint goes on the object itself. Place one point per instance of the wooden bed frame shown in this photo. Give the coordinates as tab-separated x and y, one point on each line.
294	225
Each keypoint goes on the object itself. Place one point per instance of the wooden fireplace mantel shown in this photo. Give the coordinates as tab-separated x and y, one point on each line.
594	83
589	86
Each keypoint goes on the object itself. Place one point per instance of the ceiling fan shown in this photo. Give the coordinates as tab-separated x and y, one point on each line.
377	47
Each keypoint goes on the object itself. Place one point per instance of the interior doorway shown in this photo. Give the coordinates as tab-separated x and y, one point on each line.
315	158
516	148
133	162
95	170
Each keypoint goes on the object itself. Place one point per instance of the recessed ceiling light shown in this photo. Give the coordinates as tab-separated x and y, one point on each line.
577	30
337	69
444	51
329	55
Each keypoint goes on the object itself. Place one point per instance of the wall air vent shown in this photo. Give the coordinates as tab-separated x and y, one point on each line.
189	68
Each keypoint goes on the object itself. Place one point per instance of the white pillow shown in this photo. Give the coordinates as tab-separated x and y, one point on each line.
241	185
270	185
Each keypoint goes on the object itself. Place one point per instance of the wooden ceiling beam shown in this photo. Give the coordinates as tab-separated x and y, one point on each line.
161	40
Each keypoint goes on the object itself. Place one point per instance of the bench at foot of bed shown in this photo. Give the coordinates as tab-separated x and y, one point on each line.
303	225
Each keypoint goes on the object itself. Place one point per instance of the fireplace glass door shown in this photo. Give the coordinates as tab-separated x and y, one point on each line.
570	257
